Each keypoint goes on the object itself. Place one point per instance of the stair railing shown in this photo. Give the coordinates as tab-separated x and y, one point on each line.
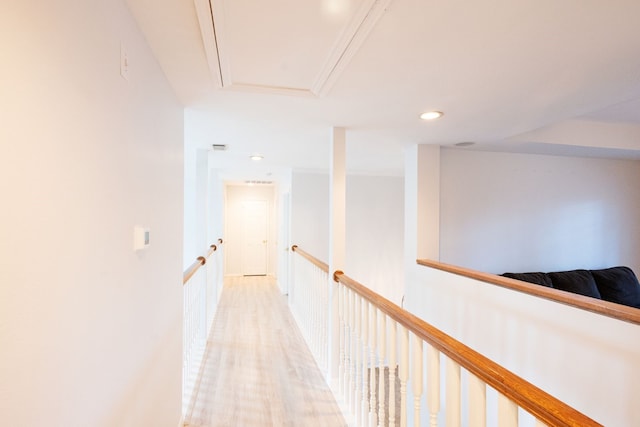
392	361
309	299
200	298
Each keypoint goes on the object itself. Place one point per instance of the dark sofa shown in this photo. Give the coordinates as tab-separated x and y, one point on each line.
615	284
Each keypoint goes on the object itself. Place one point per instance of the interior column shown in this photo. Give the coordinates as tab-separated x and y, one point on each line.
422	204
337	241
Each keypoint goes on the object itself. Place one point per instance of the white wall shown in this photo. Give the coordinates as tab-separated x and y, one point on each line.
587	360
215	230
310	213
375	233
90	332
235	196
284	231
521	212
197	215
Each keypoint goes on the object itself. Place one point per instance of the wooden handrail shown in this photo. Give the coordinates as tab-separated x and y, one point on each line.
199	262
212	249
610	309
538	403
315	261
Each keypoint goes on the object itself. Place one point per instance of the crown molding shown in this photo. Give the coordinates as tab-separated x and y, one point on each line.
212	28
350	41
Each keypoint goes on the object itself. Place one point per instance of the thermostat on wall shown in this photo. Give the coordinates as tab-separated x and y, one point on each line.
140	238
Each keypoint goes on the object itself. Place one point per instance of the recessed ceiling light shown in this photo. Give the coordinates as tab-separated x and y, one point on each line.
431	115
256	157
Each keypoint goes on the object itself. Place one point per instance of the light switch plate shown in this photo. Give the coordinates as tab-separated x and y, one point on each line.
141	238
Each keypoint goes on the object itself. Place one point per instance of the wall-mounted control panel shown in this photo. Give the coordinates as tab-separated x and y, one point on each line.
141	237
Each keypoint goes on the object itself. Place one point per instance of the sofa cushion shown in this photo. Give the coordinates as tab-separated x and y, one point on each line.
537	278
576	281
619	285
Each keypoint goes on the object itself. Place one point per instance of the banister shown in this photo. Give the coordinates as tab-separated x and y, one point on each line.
212	249
616	311
199	262
537	402
315	261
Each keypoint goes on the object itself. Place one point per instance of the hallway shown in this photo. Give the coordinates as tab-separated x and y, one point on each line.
257	369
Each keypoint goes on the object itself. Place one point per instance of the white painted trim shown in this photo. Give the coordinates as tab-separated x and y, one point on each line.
212	20
208	32
349	43
278	90
219	25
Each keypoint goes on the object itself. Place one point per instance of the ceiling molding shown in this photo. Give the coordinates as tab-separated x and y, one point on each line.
248	87
348	44
212	28
209	41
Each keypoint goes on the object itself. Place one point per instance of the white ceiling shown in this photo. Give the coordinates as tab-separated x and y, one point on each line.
274	77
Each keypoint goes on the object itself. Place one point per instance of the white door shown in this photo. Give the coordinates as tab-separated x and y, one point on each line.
254	236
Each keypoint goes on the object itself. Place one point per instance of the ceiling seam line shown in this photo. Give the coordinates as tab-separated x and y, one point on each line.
215	37
344	51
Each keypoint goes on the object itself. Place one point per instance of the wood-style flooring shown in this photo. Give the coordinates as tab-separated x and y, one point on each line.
257	369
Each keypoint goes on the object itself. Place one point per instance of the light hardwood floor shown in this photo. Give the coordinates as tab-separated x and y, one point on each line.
258	370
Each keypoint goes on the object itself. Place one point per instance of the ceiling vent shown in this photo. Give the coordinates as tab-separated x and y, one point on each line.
219	147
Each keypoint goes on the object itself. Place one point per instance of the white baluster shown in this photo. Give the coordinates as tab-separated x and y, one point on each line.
381	345
416	378
320	349
310	305
477	402
358	354
453	394
507	412
393	351
341	339
364	404
373	335
347	344
404	374
324	323
540	423
354	354
315	302
433	384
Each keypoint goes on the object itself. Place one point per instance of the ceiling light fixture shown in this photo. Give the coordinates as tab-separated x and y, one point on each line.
431	115
256	157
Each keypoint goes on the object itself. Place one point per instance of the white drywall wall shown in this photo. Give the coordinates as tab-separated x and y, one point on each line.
310	213
374	236
587	360
90	331
521	212
197	208
374	227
